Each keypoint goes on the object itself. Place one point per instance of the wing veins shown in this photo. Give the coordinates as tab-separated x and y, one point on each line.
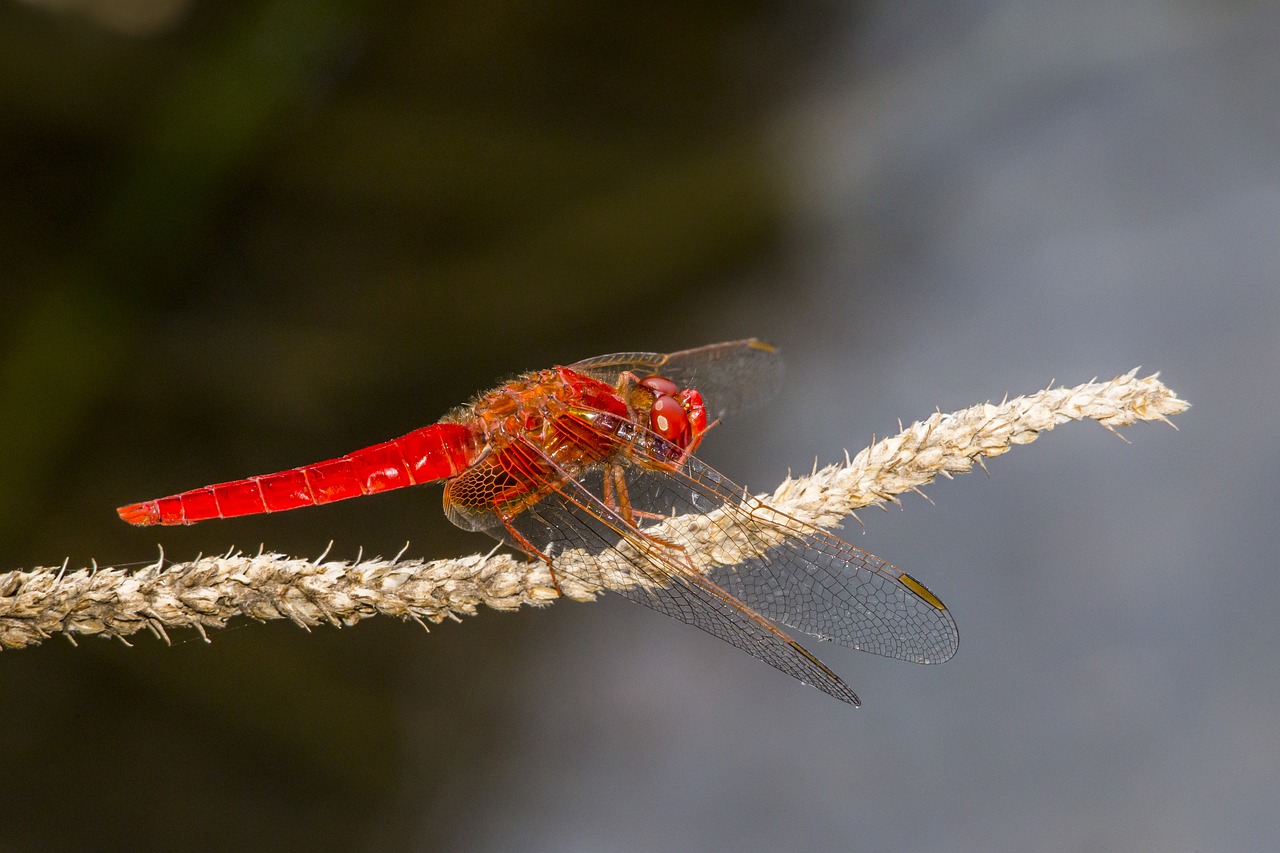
683	592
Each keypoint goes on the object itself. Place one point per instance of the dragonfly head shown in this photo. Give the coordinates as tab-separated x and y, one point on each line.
677	415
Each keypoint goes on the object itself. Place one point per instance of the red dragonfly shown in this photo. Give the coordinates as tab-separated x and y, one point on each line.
593	457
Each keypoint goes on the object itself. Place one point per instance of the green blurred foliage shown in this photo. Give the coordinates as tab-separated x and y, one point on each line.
272	232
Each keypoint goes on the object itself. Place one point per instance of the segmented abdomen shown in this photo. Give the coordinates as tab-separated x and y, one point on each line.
432	453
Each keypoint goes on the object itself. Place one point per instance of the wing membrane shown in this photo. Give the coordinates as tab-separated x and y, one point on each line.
800	575
572	517
686	541
732	377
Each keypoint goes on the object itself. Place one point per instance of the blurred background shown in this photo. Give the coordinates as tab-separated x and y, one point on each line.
242	236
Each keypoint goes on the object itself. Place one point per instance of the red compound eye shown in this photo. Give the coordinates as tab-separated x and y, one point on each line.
660	385
668	419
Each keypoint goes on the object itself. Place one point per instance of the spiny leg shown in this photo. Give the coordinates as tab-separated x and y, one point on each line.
618	498
532	550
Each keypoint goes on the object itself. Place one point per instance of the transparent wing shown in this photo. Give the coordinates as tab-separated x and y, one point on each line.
575	516
633	513
732	377
800	576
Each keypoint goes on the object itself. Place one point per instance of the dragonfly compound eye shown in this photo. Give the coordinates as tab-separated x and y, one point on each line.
668	419
660	385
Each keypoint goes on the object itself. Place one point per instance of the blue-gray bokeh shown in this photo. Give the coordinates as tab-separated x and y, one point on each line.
1022	192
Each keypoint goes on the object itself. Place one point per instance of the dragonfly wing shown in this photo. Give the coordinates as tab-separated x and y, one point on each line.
789	571
822	585
732	377
574	517
699	602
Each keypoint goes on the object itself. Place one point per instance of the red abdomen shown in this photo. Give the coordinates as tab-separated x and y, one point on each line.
436	452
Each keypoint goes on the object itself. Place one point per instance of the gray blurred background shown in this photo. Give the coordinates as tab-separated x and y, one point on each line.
241	236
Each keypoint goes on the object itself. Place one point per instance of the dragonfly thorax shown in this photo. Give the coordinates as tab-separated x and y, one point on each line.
534	405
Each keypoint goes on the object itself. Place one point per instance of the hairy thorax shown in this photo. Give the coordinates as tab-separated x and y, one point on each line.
547	408
533	433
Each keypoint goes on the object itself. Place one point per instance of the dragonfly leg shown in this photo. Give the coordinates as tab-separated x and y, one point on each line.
619	500
533	551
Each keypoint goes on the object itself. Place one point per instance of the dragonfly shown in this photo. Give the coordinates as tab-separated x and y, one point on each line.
597	458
